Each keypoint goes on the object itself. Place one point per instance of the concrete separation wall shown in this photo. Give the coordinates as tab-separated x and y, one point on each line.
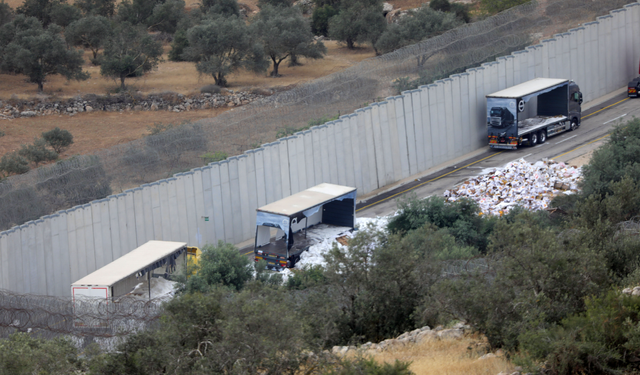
369	149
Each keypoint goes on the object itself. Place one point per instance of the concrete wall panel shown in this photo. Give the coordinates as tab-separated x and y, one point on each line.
331	148
4	261
438	132
249	181
191	236
283	155
317	155
26	248
16	256
198	195
39	261
463	116
363	151
216	193
455	119
236	206
227	205
453	137
387	143
258	157
339	134
309	169
72	243
356	152
269	176
293	159
410	132
156	211
418	129
61	238
94	225
89	240
377	144
147	212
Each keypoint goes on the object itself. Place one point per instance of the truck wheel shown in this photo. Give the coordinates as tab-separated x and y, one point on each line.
574	125
533	139
542	137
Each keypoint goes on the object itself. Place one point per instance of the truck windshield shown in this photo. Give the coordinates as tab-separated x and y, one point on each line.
496	112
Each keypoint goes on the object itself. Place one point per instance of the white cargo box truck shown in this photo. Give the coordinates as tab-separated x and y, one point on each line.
93	293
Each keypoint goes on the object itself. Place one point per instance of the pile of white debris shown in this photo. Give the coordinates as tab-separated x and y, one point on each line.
160	288
519	183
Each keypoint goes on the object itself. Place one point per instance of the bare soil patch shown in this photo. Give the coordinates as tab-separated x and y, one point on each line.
98	130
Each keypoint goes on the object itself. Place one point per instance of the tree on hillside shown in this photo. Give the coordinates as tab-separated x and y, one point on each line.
166	16
496	6
274	3
40	9
64	14
222	45
58	139
6	13
283	32
358	21
416	26
129	52
618	158
105	8
180	41
90	32
37	53
136	12
220	7
461	10
320	19
220	265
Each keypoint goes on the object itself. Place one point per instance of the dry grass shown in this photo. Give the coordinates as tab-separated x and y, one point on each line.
448	357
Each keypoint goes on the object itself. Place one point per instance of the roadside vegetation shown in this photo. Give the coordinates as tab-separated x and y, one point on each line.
545	288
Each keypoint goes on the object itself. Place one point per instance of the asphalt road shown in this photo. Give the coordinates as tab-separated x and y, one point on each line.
597	123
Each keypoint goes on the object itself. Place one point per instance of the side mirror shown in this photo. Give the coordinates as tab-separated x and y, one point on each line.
580	98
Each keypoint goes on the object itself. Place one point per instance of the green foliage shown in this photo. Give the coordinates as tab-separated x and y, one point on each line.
37	152
363	365
58	139
129	52
166	16
496	6
461	10
274	3
418	25
307	277
221	46
40	9
603	339
225	8
178	45
38	53
64	14
320	19
531	281
461	218
90	32
136	12
22	354
105	8
212	157
358	21
619	157
284	32
13	163
159	127
220	265
6	13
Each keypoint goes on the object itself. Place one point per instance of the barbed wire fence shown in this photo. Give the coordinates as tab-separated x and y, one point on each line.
88	177
83	321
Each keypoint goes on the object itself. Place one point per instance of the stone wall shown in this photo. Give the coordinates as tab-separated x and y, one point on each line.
15	108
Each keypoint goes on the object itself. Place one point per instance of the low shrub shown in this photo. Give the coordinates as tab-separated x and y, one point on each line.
211	89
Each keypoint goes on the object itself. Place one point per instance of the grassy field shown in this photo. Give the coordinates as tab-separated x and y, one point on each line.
448	357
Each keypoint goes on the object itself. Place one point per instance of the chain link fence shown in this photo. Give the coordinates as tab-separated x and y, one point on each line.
84	178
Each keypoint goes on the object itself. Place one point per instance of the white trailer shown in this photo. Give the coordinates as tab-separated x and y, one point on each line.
119	277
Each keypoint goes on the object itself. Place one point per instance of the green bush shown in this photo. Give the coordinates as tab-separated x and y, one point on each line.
37	152
13	163
605	339
320	19
363	365
22	354
58	139
220	265
212	157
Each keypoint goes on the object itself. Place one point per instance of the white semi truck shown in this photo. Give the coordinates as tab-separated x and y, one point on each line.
532	111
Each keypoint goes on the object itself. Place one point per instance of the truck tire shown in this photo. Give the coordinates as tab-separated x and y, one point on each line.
542	136
573	126
533	139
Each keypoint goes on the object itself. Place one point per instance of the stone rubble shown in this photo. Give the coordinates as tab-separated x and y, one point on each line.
416	336
520	183
14	108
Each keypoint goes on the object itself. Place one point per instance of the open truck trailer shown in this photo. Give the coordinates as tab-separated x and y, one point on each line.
530	112
281	226
93	293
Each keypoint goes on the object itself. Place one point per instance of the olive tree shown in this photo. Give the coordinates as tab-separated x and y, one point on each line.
222	45
285	32
129	52
358	21
37	52
89	32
